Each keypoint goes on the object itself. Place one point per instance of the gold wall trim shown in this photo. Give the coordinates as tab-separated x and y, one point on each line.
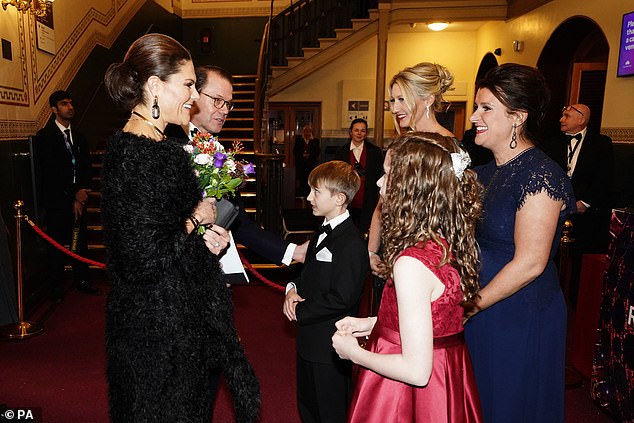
16	129
225	12
64	51
620	135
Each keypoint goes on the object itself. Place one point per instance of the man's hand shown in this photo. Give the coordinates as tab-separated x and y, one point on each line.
300	252
581	207
81	196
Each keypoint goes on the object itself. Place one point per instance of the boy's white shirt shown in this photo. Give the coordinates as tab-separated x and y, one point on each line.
327	255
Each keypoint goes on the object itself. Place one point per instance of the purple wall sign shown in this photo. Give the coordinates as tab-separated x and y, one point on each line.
626	53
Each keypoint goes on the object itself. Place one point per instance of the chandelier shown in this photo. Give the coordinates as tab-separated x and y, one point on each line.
36	7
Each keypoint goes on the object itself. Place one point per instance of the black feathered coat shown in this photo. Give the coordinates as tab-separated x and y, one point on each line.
168	313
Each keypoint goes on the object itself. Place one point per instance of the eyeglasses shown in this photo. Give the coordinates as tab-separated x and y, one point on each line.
565	109
219	103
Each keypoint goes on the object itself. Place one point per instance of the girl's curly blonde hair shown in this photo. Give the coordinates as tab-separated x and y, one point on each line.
425	200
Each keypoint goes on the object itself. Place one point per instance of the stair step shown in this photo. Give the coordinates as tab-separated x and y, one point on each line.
324	43
293	61
278	70
343	32
359	23
310	51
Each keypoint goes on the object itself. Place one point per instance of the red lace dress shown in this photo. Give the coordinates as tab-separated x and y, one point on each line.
451	394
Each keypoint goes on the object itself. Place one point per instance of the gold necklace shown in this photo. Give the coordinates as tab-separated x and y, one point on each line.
163	137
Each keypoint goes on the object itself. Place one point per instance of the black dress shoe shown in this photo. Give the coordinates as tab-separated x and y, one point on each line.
85	288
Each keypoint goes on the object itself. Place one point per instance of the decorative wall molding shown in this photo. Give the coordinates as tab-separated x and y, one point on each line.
69	59
18	96
64	51
16	129
619	135
227	12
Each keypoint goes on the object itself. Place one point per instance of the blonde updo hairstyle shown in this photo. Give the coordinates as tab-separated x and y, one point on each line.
426	201
420	81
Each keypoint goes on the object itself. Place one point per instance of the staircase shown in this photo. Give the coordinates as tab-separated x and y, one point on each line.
312	33
329	49
239	127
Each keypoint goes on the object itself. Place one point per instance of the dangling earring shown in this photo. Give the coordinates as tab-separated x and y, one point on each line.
156	110
427	112
513	143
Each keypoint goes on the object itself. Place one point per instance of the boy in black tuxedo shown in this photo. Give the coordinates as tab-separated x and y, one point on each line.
329	288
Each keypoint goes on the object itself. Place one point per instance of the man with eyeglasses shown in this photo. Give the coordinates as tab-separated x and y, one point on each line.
208	114
587	158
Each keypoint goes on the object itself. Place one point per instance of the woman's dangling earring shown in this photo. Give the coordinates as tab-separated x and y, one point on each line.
513	143
156	110
427	112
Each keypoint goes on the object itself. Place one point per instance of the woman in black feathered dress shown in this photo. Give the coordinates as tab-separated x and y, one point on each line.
169	313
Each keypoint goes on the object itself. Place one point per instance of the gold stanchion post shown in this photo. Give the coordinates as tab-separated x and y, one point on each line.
21	329
565	259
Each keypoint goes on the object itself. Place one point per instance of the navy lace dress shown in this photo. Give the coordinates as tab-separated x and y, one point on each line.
518	344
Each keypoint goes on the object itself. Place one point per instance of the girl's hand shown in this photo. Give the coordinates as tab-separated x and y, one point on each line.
345	345
356	326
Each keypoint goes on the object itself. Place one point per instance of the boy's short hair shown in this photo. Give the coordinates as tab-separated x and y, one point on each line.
58	96
336	176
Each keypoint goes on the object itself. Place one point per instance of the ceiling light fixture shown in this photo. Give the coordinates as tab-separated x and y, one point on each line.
35	7
437	26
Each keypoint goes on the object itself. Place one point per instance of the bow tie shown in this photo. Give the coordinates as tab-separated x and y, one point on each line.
324	229
193	132
575	136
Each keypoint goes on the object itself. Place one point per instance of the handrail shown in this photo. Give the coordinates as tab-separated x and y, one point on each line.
261	80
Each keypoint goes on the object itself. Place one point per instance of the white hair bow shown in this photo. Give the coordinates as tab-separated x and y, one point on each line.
460	162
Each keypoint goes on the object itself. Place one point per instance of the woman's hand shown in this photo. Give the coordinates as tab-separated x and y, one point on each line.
470	310
376	264
356	326
345	344
216	239
205	211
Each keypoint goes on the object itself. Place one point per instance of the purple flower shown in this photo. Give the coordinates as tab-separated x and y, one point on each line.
219	159
249	169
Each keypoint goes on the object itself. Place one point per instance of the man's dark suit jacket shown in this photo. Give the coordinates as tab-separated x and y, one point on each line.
373	172
591	182
331	290
245	231
55	168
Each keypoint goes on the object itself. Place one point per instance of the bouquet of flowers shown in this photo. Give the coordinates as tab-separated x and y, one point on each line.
218	171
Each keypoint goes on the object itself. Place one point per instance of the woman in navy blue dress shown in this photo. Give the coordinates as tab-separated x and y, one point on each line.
516	330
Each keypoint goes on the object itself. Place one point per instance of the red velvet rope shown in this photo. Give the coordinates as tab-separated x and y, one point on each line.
61	248
258	275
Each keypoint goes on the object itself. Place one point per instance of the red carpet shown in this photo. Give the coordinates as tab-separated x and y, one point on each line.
60	373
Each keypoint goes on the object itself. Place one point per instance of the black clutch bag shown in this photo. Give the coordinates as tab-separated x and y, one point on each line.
226	213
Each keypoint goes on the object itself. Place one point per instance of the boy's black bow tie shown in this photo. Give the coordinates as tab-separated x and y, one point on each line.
324	229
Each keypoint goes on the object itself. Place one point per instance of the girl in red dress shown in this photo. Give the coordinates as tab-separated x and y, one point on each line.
416	367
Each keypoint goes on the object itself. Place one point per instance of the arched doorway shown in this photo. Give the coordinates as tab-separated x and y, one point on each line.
574	61
479	155
488	61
